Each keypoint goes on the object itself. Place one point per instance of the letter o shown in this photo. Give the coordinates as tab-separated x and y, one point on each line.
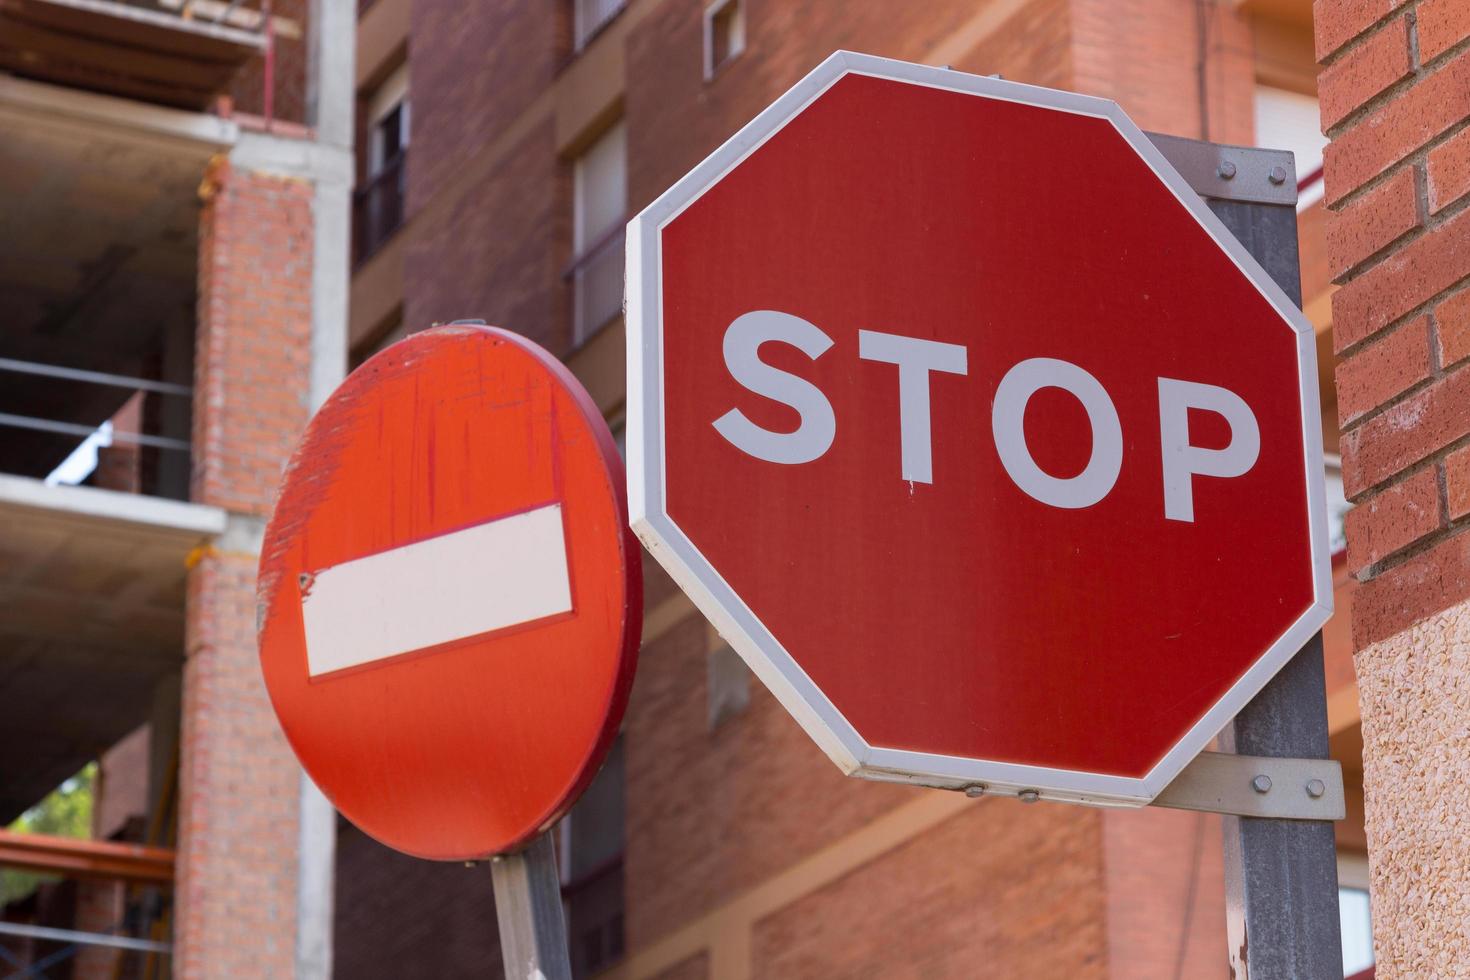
1007	423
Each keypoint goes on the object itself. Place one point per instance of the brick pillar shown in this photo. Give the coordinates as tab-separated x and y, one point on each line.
239	784
1395	89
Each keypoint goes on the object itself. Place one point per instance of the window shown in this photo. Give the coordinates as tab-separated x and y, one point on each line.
378	203
599	212
591	16
590	853
727	682
1337	505
1354	913
724	34
1288	120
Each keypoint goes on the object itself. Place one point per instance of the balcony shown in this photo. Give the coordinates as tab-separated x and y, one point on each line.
180	53
377	209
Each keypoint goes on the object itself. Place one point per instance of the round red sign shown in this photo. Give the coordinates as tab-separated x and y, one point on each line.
450	597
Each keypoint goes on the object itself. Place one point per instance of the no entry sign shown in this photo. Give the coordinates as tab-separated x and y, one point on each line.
983	441
450	596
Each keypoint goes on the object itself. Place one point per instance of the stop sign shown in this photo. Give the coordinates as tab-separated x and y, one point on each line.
975	432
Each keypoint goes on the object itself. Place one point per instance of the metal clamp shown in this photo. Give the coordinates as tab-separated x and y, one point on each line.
1231	173
1256	786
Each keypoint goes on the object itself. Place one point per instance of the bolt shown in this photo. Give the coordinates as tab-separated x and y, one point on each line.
478	322
975	791
1261	784
1227	169
1315	788
1029	795
1277	175
304	579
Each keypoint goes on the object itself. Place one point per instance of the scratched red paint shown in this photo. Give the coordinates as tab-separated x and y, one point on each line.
472	747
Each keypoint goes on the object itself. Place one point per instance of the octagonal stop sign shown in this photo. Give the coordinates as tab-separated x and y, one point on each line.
975	432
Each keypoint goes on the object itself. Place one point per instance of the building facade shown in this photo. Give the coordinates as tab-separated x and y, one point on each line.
186	283
175	182
721	842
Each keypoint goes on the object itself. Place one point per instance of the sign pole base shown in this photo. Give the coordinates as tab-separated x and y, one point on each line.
533	934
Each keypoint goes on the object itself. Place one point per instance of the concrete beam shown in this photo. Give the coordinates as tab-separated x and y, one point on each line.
28	103
90	505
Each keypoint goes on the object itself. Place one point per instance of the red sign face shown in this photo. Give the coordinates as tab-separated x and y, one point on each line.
979	436
451	598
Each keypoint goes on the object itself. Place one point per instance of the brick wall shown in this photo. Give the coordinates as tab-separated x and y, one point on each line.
288	73
497	252
235	892
399	917
475	68
1395	87
1396	97
252	354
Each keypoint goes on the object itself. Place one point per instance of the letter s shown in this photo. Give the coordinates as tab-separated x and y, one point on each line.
818	427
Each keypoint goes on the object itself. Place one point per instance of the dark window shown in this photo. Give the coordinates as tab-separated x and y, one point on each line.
724	34
378	204
591	855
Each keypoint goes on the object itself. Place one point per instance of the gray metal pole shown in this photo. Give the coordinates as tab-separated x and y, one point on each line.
533	935
1280	875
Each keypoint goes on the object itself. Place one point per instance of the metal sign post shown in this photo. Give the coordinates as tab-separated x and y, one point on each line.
533	934
1281	874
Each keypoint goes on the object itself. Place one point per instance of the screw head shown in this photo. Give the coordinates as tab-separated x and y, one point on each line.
1028	796
1261	784
1315	788
1277	175
975	791
1227	169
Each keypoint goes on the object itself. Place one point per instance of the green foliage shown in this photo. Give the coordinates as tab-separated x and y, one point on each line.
65	812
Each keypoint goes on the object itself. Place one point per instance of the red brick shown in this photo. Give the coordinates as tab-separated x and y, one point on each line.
238	782
1406	433
1372	221
1448	167
1339	21
1393	519
1442	24
1409	277
1388	134
251	361
1381	371
1426	584
1457	482
1452	322
1364	71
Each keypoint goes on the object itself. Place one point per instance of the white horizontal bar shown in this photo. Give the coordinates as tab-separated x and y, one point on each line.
505	572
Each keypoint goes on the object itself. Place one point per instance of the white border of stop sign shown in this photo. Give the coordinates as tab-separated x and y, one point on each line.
738	623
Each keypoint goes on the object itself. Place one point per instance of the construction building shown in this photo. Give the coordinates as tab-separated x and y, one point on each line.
175	186
181	282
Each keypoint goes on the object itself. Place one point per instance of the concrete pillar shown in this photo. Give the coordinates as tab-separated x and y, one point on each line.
239	784
331	103
1393	89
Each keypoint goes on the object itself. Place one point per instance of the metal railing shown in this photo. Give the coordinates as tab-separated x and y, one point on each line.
104	434
377	208
596	278
144	873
